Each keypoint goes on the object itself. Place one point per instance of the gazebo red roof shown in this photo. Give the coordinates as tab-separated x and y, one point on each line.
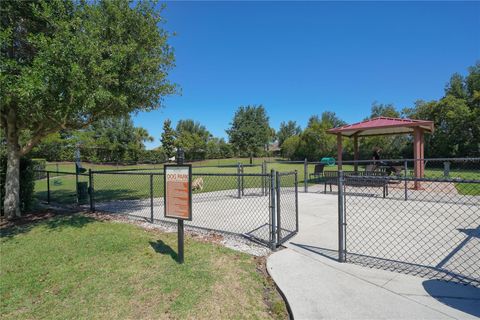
382	126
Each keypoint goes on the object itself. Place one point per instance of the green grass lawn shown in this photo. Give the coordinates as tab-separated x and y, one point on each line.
79	267
471	189
123	187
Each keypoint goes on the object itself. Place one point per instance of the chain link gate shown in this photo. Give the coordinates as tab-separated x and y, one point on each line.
286	205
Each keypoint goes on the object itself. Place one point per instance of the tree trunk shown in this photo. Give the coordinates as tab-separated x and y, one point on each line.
11	203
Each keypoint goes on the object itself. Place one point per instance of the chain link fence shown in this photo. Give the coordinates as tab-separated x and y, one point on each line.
233	201
427	226
312	173
61	187
287	205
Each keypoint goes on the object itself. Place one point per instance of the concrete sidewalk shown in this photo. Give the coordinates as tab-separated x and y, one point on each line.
319	288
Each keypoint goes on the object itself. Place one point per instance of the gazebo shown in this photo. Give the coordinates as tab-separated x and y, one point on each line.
386	126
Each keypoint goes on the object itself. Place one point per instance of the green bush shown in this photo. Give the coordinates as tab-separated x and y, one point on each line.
27	183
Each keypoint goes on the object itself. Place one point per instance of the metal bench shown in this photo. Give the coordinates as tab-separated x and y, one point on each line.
365	179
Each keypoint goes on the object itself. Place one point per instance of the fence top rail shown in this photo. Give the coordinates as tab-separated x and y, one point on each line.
229	166
371	160
126	170
286	161
233	174
412	160
127	173
193	167
60	172
287	173
403	178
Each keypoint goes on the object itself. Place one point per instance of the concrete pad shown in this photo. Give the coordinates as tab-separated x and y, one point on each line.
316	290
319	287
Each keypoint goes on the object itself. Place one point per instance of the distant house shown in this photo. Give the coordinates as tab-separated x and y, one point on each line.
274	149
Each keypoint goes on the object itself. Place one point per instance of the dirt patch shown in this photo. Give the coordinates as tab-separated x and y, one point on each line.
272	296
32	217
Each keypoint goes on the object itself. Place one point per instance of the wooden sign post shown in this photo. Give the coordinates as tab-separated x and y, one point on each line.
178	198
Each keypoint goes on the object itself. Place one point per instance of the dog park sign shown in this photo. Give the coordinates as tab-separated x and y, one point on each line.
178	198
178	191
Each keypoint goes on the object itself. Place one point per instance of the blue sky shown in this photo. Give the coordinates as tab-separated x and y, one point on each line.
302	58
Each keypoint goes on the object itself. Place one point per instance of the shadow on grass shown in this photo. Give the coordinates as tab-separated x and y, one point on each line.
161	247
52	223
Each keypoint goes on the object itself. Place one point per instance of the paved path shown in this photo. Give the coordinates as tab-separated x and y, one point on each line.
318	287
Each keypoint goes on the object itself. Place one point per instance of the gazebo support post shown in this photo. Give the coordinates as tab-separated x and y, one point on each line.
355	152
339	151
418	155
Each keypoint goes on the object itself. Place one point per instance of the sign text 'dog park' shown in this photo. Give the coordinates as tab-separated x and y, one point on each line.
178	192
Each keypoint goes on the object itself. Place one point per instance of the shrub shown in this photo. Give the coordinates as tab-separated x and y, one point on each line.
27	183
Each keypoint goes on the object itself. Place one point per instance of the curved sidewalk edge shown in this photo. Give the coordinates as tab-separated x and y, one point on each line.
317	289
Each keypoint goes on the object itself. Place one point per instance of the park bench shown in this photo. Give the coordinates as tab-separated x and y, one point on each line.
358	179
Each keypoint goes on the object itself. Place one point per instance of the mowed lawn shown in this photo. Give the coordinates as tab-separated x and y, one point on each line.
79	267
127	185
137	185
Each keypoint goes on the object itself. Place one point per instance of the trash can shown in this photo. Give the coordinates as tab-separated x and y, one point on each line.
82	189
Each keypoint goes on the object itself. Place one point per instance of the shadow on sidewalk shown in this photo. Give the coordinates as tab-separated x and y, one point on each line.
465	298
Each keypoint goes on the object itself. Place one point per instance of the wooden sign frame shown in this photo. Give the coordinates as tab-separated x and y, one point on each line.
189	193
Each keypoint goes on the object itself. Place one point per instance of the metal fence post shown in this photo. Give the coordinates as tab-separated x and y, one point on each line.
341	222
76	185
296	201
151	198
91	189
279	220
48	187
243	179
272	210
305	175
406	181
239	187
264	171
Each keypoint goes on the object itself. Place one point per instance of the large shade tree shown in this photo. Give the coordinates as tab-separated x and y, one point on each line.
66	64
456	116
250	129
192	137
287	129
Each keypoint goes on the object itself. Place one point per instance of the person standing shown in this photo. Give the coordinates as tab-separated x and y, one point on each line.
376	154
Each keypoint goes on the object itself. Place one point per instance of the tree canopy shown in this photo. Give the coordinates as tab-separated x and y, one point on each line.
67	64
108	140
286	130
192	137
250	130
168	138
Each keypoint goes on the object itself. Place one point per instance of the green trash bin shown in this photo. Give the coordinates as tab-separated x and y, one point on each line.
82	189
